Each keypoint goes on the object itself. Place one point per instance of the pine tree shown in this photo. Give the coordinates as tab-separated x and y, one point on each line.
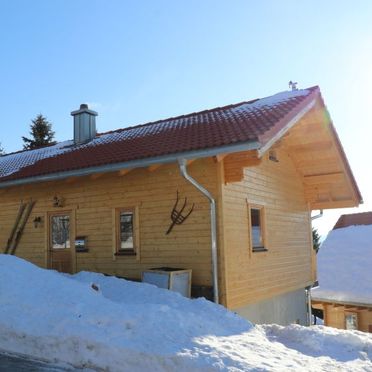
2	152
41	132
316	240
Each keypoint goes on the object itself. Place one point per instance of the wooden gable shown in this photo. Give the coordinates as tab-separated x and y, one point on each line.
317	153
313	145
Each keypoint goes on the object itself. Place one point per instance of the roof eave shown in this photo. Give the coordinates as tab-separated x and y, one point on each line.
345	302
140	163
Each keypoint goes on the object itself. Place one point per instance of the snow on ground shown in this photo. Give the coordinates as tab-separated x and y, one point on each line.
344	266
127	326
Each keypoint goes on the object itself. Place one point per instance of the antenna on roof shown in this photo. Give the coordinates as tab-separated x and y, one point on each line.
293	85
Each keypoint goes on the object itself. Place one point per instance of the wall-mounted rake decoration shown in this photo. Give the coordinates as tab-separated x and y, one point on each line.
176	215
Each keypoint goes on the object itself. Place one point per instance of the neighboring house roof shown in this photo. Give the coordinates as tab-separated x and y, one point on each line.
354	219
245	122
344	265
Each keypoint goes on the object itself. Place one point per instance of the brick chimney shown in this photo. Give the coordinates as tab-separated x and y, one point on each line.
84	124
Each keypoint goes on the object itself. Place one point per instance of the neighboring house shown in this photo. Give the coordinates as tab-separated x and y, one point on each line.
345	276
103	202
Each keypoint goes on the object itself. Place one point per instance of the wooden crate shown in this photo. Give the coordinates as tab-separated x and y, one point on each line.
177	280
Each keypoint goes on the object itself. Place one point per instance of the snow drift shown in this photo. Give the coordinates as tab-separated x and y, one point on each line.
119	325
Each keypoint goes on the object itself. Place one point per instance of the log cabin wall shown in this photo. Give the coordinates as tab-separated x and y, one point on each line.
287	264
93	200
334	315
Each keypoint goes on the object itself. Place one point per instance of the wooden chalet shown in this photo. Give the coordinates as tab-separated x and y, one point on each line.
247	177
344	295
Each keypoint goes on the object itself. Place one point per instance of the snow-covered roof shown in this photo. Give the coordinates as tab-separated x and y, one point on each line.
345	266
252	121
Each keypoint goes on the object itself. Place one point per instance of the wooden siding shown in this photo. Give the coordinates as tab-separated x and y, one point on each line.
255	276
334	315
93	202
244	277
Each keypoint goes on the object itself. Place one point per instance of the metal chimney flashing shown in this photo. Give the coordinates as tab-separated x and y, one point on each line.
84	124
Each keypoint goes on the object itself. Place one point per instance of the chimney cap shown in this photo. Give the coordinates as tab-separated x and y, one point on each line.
84	108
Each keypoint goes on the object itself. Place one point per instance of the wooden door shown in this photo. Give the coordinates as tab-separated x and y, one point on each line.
60	241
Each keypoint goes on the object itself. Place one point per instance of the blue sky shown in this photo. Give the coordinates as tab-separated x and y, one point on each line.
137	61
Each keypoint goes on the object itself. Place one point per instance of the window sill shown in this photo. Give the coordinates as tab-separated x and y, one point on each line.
125	253
259	249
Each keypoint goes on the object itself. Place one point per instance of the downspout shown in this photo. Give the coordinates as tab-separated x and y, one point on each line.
309	308
183	169
308	289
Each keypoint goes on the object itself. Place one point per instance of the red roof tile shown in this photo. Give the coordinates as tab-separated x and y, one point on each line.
257	120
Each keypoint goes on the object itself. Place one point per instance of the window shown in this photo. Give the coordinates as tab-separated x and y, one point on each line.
126	242
60	231
257	228
351	321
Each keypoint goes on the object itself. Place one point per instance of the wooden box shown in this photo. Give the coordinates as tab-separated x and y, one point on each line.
177	280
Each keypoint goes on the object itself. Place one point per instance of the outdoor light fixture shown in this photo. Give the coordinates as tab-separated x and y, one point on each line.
273	157
37	222
58	201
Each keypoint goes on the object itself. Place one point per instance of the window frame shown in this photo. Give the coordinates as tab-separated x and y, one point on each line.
50	230
261	208
126	251
351	313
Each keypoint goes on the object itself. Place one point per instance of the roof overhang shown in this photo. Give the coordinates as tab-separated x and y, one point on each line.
311	140
139	163
339	302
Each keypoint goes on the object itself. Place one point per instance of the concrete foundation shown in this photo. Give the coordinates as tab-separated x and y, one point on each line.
285	309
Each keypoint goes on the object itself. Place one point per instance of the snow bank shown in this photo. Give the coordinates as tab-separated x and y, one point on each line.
344	266
137	327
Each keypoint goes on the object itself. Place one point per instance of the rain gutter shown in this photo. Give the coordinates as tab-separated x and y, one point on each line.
308	289
139	163
183	169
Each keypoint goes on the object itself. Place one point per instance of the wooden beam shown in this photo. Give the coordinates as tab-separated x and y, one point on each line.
355	308
218	158
96	175
123	172
237	176
154	167
190	161
311	147
316	179
71	179
234	164
338	305
333	204
318	162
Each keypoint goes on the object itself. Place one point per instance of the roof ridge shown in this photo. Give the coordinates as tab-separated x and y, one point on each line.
233	105
119	130
179	116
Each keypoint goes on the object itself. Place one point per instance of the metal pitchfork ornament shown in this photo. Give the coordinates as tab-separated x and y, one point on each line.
176	216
